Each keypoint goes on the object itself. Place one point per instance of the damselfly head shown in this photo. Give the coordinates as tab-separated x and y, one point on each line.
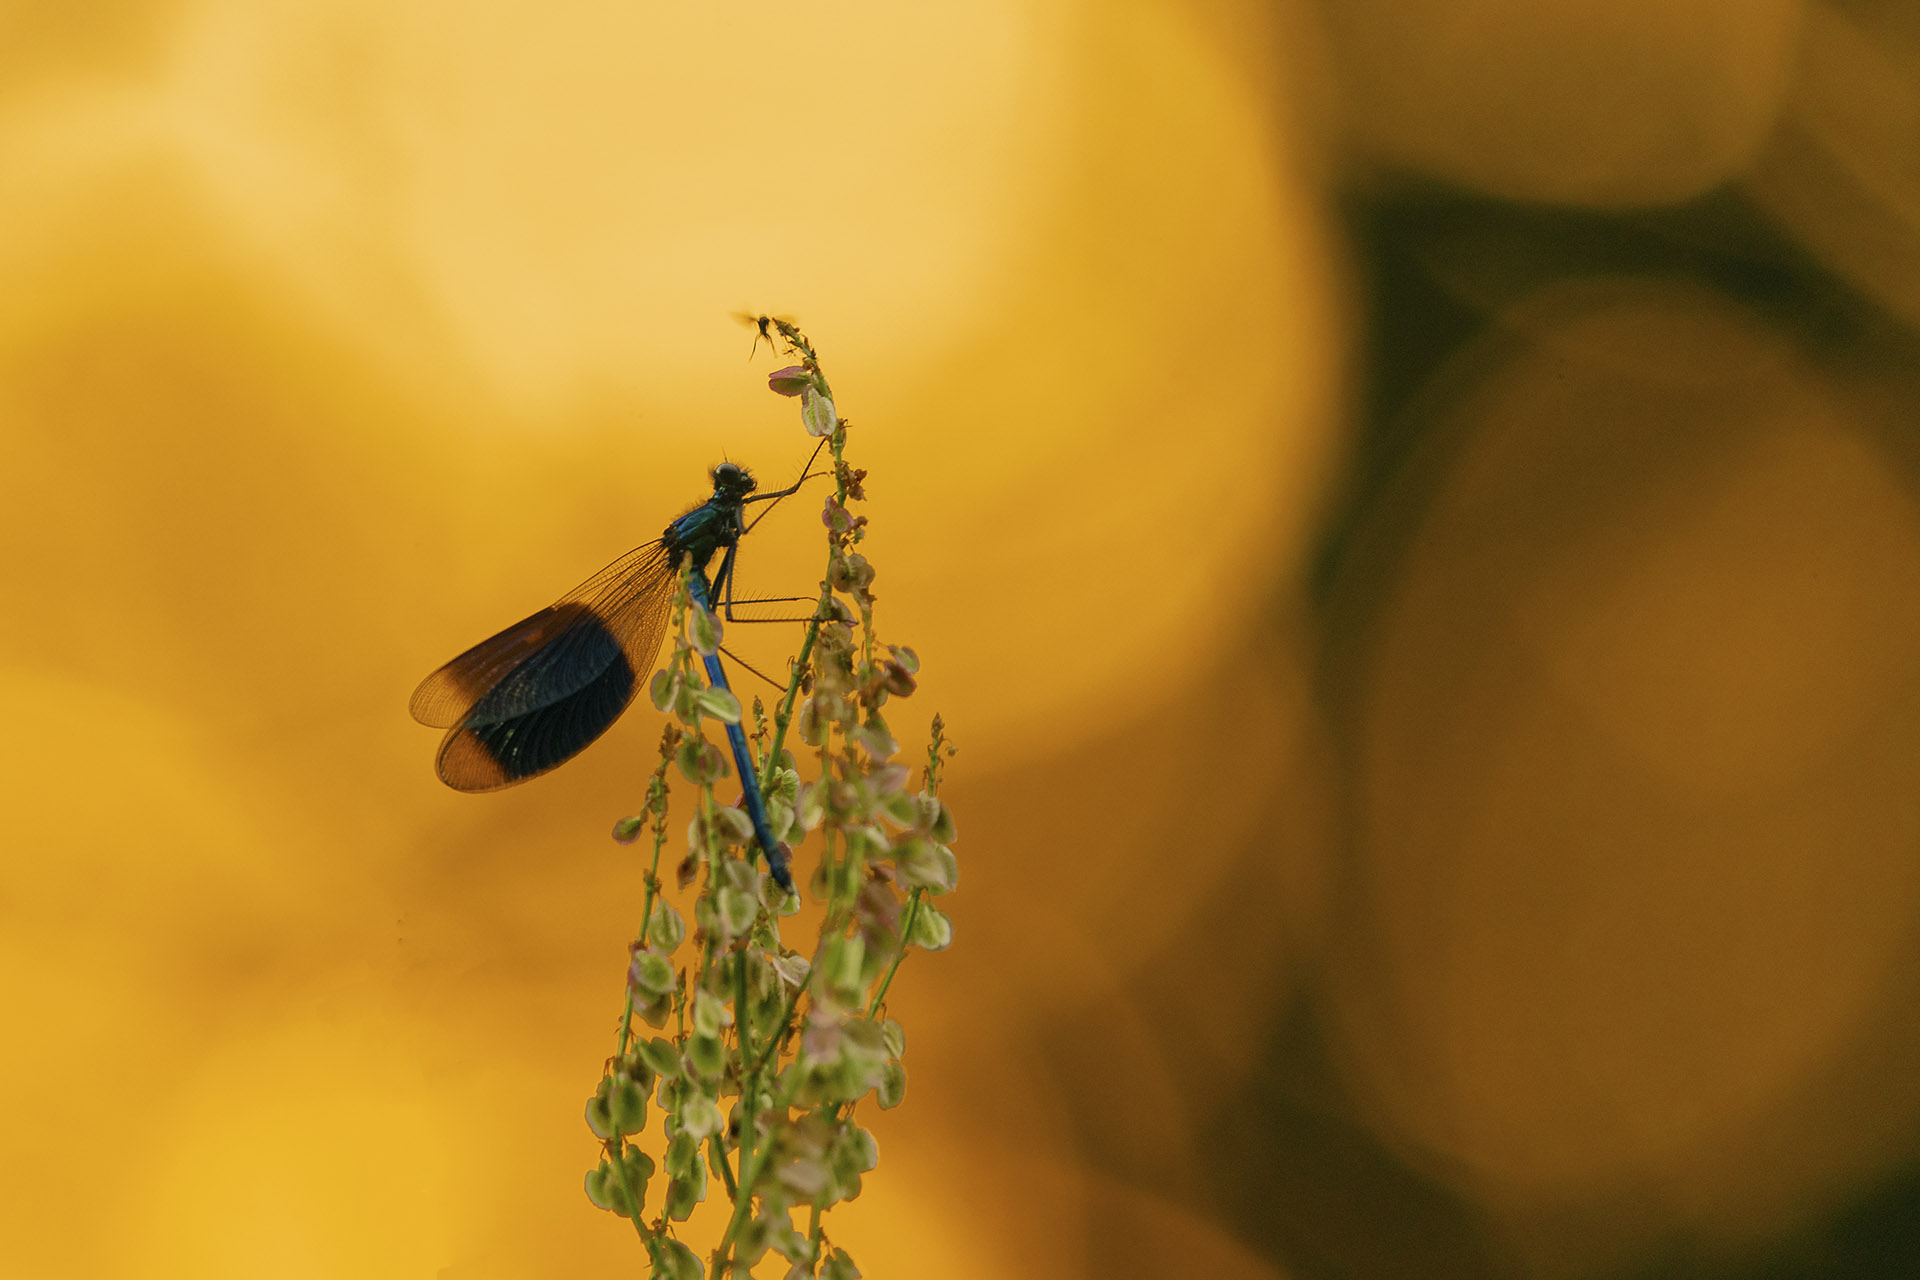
731	480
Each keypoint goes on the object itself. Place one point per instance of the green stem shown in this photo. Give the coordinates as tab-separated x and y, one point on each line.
748	1077
784	715
711	892
720	1158
873	1007
866	634
741	1031
773	1042
750	1171
813	1230
618	1150
906	931
657	801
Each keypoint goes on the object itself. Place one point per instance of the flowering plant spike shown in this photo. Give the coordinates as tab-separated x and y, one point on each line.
757	1055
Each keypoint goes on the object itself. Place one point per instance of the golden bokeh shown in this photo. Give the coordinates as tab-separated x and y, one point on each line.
1653	810
1412	513
1582	101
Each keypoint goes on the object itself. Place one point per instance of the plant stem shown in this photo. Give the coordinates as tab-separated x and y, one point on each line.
749	1091
657	800
726	1170
618	1150
749	1174
906	931
773	1042
784	716
813	1229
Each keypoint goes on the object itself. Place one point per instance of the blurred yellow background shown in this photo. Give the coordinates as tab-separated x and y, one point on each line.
1409	510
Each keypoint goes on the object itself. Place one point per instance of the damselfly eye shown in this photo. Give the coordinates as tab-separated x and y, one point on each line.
733	479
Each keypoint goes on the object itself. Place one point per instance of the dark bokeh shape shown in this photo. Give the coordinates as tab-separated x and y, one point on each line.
1436	269
1302	1177
1424	303
1876	1236
1284	1162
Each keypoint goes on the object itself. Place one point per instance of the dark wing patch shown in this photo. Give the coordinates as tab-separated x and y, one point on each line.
528	699
489	751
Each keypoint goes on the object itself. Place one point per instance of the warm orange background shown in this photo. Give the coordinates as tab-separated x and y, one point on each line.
1409	509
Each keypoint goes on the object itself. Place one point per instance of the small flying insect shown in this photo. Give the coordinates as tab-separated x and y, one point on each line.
770	328
531	698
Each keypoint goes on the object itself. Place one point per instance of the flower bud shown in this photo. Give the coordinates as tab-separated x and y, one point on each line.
817	413
737	910
703	630
683	1194
732	824
709	1014
892	1088
931	928
600	1113
660	1055
790	381
680	1262
650	973
682	1151
668	928
707	1054
720	704
627	1106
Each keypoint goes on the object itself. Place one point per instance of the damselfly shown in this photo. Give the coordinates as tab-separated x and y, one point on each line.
537	694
